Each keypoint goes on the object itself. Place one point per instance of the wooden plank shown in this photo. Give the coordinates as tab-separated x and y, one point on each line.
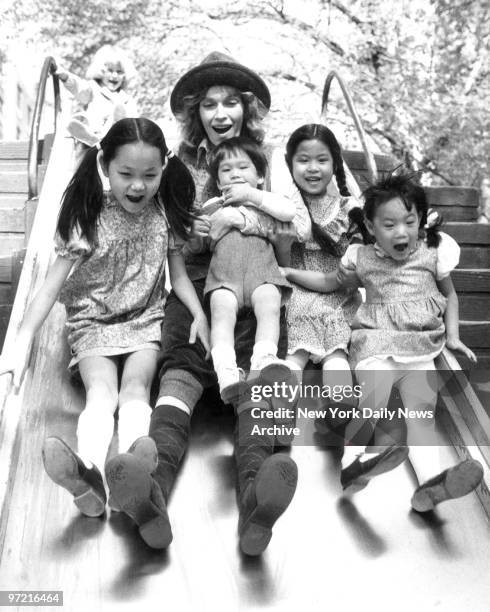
12	200
474	307
468	233
6	269
357	162
457	213
5	293
476	334
10	243
453	196
12	220
471	279
474	257
16	149
13	182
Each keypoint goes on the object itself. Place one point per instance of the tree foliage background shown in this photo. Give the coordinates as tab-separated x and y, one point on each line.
418	70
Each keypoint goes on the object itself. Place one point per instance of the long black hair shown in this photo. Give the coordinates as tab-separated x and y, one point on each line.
83	198
403	187
316	131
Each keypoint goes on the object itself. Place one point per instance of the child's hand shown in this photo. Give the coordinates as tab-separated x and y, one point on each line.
455	344
282	235
200	329
237	193
62	75
200	226
15	362
347	277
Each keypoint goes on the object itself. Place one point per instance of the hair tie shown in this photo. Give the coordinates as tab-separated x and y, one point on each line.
97	146
170	154
433	218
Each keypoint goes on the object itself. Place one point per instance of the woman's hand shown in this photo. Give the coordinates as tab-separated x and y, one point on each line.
347	277
455	344
223	220
15	361
200	329
200	226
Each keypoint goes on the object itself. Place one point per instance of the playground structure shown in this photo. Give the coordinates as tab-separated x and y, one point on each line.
324	551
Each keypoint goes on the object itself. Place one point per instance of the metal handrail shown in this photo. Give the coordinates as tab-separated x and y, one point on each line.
49	69
370	161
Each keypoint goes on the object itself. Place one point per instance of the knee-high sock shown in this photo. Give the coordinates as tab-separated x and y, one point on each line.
134	422
251	449
94	434
169	427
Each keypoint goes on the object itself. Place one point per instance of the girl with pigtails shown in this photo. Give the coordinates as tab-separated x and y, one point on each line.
318	322
109	273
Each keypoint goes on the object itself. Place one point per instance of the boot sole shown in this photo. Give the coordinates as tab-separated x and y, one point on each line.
130	485
62	467
274	489
460	480
389	462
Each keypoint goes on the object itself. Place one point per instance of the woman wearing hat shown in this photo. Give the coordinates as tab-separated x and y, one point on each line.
214	101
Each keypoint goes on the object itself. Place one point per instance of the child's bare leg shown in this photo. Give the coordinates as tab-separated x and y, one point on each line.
224	308
357	466
81	474
438	482
266	303
96	423
337	375
134	395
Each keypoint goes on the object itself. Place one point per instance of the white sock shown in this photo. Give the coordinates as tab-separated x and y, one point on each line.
223	356
134	422
94	434
262	348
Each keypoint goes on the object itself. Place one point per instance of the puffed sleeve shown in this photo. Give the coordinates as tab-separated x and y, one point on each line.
349	259
77	245
448	253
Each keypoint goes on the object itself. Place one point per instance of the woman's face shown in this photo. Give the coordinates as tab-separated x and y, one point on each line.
221	113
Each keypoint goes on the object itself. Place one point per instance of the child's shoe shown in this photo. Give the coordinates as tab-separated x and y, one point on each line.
264	500
358	474
450	484
81	132
270	369
66	469
144	449
138	495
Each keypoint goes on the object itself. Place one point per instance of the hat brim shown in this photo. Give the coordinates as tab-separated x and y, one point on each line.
218	73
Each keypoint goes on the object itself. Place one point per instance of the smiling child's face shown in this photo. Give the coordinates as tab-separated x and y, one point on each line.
395	228
113	76
237	167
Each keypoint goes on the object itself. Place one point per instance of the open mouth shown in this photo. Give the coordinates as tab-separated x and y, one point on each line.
135	199
221	129
401	247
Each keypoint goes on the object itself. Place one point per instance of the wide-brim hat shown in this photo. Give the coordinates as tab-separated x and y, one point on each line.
218	69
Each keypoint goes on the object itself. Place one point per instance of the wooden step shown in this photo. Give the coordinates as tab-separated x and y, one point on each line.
12	220
471	279
16	149
474	306
468	233
12	200
474	257
13	182
454	203
475	334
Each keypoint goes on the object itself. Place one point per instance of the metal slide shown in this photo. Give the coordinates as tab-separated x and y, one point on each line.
368	553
